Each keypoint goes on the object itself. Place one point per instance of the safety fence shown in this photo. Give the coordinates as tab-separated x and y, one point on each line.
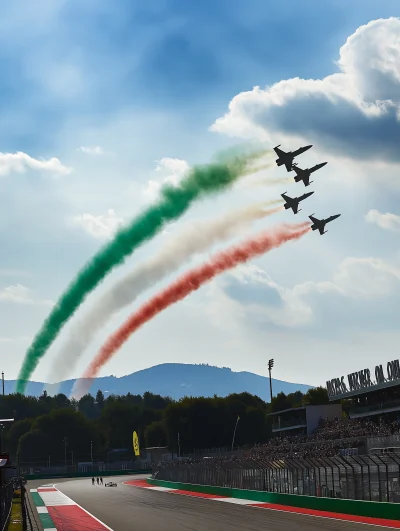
6	497
361	477
388	442
27	523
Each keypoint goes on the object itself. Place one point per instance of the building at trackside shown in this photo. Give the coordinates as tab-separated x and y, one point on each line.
372	392
302	420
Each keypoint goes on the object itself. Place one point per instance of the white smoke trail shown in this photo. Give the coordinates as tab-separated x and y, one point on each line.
195	238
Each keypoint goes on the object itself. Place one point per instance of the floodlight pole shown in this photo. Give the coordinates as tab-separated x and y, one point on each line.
270	365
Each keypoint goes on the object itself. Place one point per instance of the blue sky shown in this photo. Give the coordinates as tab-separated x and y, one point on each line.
176	80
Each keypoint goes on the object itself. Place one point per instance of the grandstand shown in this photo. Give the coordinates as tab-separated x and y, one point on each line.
338	460
302	420
373	399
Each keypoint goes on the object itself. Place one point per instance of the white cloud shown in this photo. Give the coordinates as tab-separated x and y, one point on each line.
20	294
353	113
292	312
386	221
91	150
358	278
100	227
19	162
17	293
172	170
363	278
176	166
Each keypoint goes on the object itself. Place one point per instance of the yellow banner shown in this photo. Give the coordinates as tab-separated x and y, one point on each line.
136	444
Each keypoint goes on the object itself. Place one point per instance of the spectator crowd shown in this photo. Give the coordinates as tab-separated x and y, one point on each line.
330	437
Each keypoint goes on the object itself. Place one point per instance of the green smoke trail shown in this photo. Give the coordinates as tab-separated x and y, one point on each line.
201	180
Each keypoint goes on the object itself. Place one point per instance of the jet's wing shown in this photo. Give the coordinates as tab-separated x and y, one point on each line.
314	220
331	218
279	152
286	198
321	229
288	164
306	178
295	207
297	152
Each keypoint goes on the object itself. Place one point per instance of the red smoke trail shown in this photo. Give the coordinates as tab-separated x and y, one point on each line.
191	281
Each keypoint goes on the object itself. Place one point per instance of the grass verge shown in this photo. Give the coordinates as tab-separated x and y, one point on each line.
16	516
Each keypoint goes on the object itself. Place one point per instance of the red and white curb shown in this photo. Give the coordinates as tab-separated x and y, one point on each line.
144	485
57	512
377	522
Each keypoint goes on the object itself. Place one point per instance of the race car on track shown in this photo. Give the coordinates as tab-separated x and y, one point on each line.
110	484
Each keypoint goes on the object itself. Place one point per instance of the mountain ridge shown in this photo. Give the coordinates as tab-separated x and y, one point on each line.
176	380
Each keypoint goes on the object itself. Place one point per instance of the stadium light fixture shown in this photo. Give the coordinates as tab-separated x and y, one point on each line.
270	365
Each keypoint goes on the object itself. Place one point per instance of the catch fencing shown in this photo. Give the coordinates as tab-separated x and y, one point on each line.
6	496
361	477
374	444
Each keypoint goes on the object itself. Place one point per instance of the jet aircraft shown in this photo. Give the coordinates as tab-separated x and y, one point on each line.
293	202
304	175
319	224
287	158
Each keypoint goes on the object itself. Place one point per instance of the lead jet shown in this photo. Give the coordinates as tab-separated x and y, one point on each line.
293	202
287	158
319	224
304	175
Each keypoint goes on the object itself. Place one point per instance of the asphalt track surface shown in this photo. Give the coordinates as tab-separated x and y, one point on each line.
127	508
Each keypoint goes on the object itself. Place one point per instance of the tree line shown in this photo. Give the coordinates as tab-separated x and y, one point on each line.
55	428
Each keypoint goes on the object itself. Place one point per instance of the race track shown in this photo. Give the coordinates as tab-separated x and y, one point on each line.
127	508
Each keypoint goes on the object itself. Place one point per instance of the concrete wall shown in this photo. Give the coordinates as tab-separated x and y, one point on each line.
315	413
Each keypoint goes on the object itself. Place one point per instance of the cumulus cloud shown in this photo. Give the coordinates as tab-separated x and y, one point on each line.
91	150
357	278
386	221
172	172
17	293
100	227
362	278
354	112
20	294
270	302
19	162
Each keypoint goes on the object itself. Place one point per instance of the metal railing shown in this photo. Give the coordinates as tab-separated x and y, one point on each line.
388	441
363	477
383	406
292	423
6	496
